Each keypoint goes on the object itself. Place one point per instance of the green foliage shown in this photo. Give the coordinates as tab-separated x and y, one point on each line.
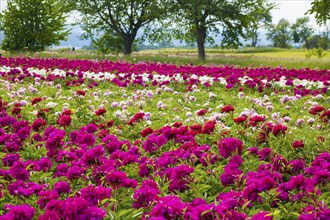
302	30
319	53
33	24
317	41
280	33
309	53
108	43
321	9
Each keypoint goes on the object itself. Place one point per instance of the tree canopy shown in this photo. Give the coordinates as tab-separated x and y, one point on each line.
302	30
196	19
280	33
119	21
263	19
33	24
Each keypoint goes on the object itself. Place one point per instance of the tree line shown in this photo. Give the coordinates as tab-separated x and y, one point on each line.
114	24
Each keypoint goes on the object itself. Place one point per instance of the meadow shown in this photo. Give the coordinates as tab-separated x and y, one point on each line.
246	57
101	139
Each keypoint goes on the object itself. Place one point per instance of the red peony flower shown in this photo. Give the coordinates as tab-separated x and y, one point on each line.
209	127
297	144
42	113
67	112
262	137
177	124
36	100
136	118
64	120
16	111
196	128
320	139
100	111
81	92
201	112
255	120
279	129
17	104
3	105
240	119
316	109
39	122
325	115
145	132
227	108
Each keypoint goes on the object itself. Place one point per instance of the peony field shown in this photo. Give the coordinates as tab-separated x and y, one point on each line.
97	139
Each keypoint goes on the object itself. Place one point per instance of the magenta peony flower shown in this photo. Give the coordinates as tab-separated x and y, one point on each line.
94	195
154	142
38	123
78	208
10	159
62	187
116	178
24	212
146	194
50	215
168	207
262	216
75	172
91	128
230	146
19	172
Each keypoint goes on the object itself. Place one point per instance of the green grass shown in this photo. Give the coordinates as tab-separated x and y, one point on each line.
246	57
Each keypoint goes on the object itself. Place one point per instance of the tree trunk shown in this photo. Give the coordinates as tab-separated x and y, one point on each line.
128	43
253	43
306	43
254	38
201	35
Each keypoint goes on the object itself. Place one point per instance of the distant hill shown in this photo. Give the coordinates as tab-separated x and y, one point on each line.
76	32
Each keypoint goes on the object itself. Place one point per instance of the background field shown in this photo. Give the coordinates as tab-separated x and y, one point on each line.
247	57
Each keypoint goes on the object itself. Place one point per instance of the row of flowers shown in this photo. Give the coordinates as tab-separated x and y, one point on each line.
302	82
77	147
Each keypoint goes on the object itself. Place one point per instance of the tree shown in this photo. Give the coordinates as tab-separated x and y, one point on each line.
320	40
302	30
280	33
317	41
33	24
119	20
200	18
321	8
263	19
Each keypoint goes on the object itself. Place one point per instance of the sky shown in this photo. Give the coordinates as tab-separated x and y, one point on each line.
288	9
291	10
